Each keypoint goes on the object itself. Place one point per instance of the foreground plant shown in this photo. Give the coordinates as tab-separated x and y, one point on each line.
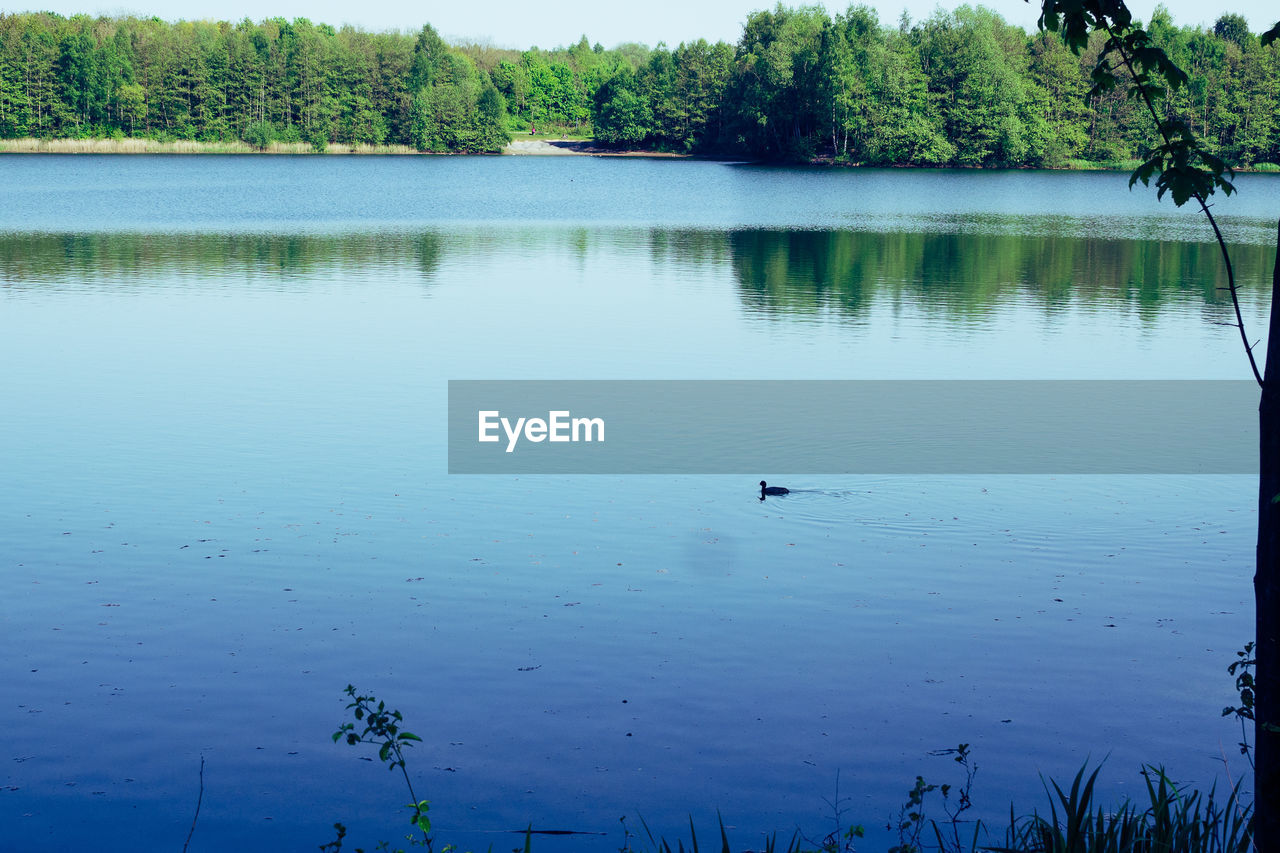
1242	668
1174	820
382	727
911	817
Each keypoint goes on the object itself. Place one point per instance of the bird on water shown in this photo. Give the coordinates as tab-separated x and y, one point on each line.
766	489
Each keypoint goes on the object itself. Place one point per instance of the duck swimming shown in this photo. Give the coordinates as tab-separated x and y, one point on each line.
766	489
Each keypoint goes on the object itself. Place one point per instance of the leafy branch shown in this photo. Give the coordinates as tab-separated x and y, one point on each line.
382	728
1242	669
1181	165
911	819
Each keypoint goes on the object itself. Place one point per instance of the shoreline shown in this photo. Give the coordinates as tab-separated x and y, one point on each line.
538	147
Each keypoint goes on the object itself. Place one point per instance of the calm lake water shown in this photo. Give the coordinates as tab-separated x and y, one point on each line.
225	498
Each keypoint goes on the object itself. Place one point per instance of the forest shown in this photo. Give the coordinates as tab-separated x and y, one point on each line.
961	88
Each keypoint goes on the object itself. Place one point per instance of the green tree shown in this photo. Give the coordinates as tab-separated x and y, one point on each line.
392	58
976	68
15	101
76	72
777	86
853	57
542	95
1233	28
622	117
429	52
1249	121
311	61
665	102
512	81
491	120
880	108
910	128
703	72
1058	89
356	117
133	105
245	87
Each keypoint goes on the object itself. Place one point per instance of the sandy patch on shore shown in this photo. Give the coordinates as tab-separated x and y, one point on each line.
537	147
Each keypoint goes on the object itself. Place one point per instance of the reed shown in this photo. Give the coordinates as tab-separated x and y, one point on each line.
134	145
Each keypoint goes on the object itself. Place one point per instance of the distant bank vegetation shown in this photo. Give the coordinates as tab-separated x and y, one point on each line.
962	88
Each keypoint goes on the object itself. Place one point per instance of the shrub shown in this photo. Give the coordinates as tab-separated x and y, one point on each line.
260	134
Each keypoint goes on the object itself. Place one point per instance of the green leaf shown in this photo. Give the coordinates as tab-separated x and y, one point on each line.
1145	171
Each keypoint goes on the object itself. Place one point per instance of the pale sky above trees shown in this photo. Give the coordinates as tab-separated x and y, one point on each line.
523	23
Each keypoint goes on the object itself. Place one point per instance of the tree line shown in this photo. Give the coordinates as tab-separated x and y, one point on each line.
214	81
961	88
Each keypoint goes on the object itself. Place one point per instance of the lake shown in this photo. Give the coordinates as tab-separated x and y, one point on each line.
226	496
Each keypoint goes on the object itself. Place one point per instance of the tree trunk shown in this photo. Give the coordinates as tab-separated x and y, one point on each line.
1266	587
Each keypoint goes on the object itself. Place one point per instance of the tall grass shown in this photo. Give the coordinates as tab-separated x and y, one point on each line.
1104	165
118	146
1174	819
181	146
1129	165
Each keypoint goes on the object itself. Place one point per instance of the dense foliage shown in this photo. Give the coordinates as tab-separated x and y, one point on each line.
960	88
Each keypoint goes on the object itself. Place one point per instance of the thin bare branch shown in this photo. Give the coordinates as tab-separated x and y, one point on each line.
199	800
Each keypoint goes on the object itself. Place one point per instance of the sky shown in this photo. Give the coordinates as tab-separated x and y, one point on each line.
526	23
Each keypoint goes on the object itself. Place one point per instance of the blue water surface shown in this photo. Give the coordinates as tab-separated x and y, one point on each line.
225	497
